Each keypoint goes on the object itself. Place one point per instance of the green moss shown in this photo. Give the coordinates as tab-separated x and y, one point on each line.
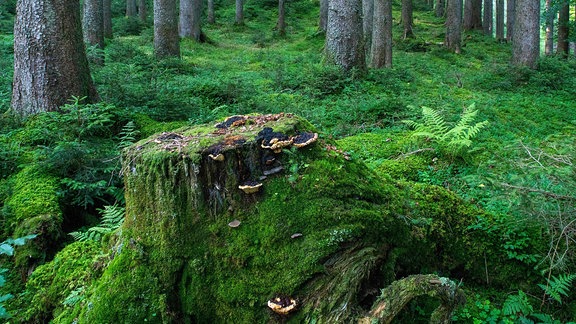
51	286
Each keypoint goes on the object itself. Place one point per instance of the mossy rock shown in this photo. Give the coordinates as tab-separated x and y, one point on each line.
327	231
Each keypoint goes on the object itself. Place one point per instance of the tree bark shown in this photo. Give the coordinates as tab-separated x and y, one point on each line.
526	33
142	12
93	23
211	17
344	41
563	30
239	19
453	38
190	19
407	20
500	20
549	14
166	39
473	14
131	8
440	8
510	15
488	16
381	49
281	23
368	18
50	64
394	297
107	18
323	23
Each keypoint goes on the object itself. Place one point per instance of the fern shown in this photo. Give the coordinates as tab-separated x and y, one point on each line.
112	218
558	286
517	305
452	140
128	135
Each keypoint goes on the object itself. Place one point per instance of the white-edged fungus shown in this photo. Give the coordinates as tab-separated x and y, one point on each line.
282	306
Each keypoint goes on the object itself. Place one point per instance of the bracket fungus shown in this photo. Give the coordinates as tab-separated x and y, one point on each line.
304	139
273	140
232	121
282	305
250	187
235	223
217	157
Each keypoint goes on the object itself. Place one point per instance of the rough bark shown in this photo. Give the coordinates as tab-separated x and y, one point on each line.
239	18
323	23
344	41
407	20
190	19
142	10
549	14
131	8
563	30
166	39
440	9
472	14
526	33
453	38
500	20
510	15
488	16
211	17
281	23
381	50
50	64
368	17
400	292
93	23
107	18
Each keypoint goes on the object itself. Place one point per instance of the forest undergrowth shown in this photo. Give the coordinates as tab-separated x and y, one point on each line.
518	165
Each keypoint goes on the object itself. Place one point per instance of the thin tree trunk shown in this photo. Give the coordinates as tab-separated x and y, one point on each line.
453	38
526	37
381	50
323	23
344	41
368	25
500	20
510	8
563	30
142	12
407	20
440	8
211	18
131	8
50	64
93	23
239	19
190	19
549	14
488	17
472	14
107	18
166	39
281	24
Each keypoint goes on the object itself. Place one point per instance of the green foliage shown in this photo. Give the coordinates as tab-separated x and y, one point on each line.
517	305
112	218
453	140
558	286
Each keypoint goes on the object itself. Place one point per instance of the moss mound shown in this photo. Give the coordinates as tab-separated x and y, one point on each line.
323	230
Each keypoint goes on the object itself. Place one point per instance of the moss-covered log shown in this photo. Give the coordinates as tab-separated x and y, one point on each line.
399	293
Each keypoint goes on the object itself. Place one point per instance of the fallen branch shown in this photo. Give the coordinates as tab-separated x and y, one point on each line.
543	192
402	156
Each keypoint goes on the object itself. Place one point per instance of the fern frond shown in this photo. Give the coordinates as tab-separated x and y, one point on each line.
558	286
112	218
128	135
517	304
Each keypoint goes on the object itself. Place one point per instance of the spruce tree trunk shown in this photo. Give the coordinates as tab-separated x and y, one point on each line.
166	40
211	18
190	19
563	30
239	19
50	64
323	23
381	50
510	15
440	8
526	37
368	17
131	8
500	20
93	23
549	14
488	16
344	41
472	14
142	12
453	38
407	20
107	18
281	23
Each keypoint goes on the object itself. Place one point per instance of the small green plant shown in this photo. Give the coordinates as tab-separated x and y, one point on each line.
112	218
558	286
451	141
